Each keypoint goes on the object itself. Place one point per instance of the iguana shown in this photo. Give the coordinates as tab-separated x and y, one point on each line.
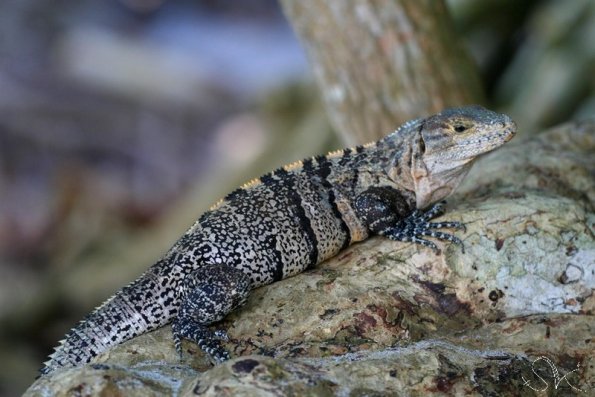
288	221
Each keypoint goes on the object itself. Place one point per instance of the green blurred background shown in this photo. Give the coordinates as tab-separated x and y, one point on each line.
121	121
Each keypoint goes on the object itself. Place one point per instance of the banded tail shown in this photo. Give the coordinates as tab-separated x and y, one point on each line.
143	305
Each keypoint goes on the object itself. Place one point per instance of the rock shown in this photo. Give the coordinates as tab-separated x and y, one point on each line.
512	314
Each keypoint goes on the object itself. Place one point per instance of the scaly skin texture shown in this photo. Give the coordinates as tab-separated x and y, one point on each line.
288	221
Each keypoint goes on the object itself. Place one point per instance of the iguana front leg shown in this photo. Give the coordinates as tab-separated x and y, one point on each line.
384	211
208	295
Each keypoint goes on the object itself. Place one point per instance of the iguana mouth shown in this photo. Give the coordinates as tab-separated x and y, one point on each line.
510	131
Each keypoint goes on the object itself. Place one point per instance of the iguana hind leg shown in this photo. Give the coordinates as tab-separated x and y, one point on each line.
208	295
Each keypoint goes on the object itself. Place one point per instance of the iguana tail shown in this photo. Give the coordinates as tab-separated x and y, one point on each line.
143	305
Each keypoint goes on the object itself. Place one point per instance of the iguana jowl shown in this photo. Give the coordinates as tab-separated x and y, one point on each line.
288	221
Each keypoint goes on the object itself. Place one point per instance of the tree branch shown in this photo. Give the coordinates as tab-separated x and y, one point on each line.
380	63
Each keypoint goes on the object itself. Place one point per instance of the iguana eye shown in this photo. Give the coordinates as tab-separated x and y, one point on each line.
460	128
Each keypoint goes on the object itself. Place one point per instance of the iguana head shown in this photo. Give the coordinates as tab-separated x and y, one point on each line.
442	148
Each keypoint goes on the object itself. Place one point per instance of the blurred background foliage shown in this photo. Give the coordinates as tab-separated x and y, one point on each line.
120	121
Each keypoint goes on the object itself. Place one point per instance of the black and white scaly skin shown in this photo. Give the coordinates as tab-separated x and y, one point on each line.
288	221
